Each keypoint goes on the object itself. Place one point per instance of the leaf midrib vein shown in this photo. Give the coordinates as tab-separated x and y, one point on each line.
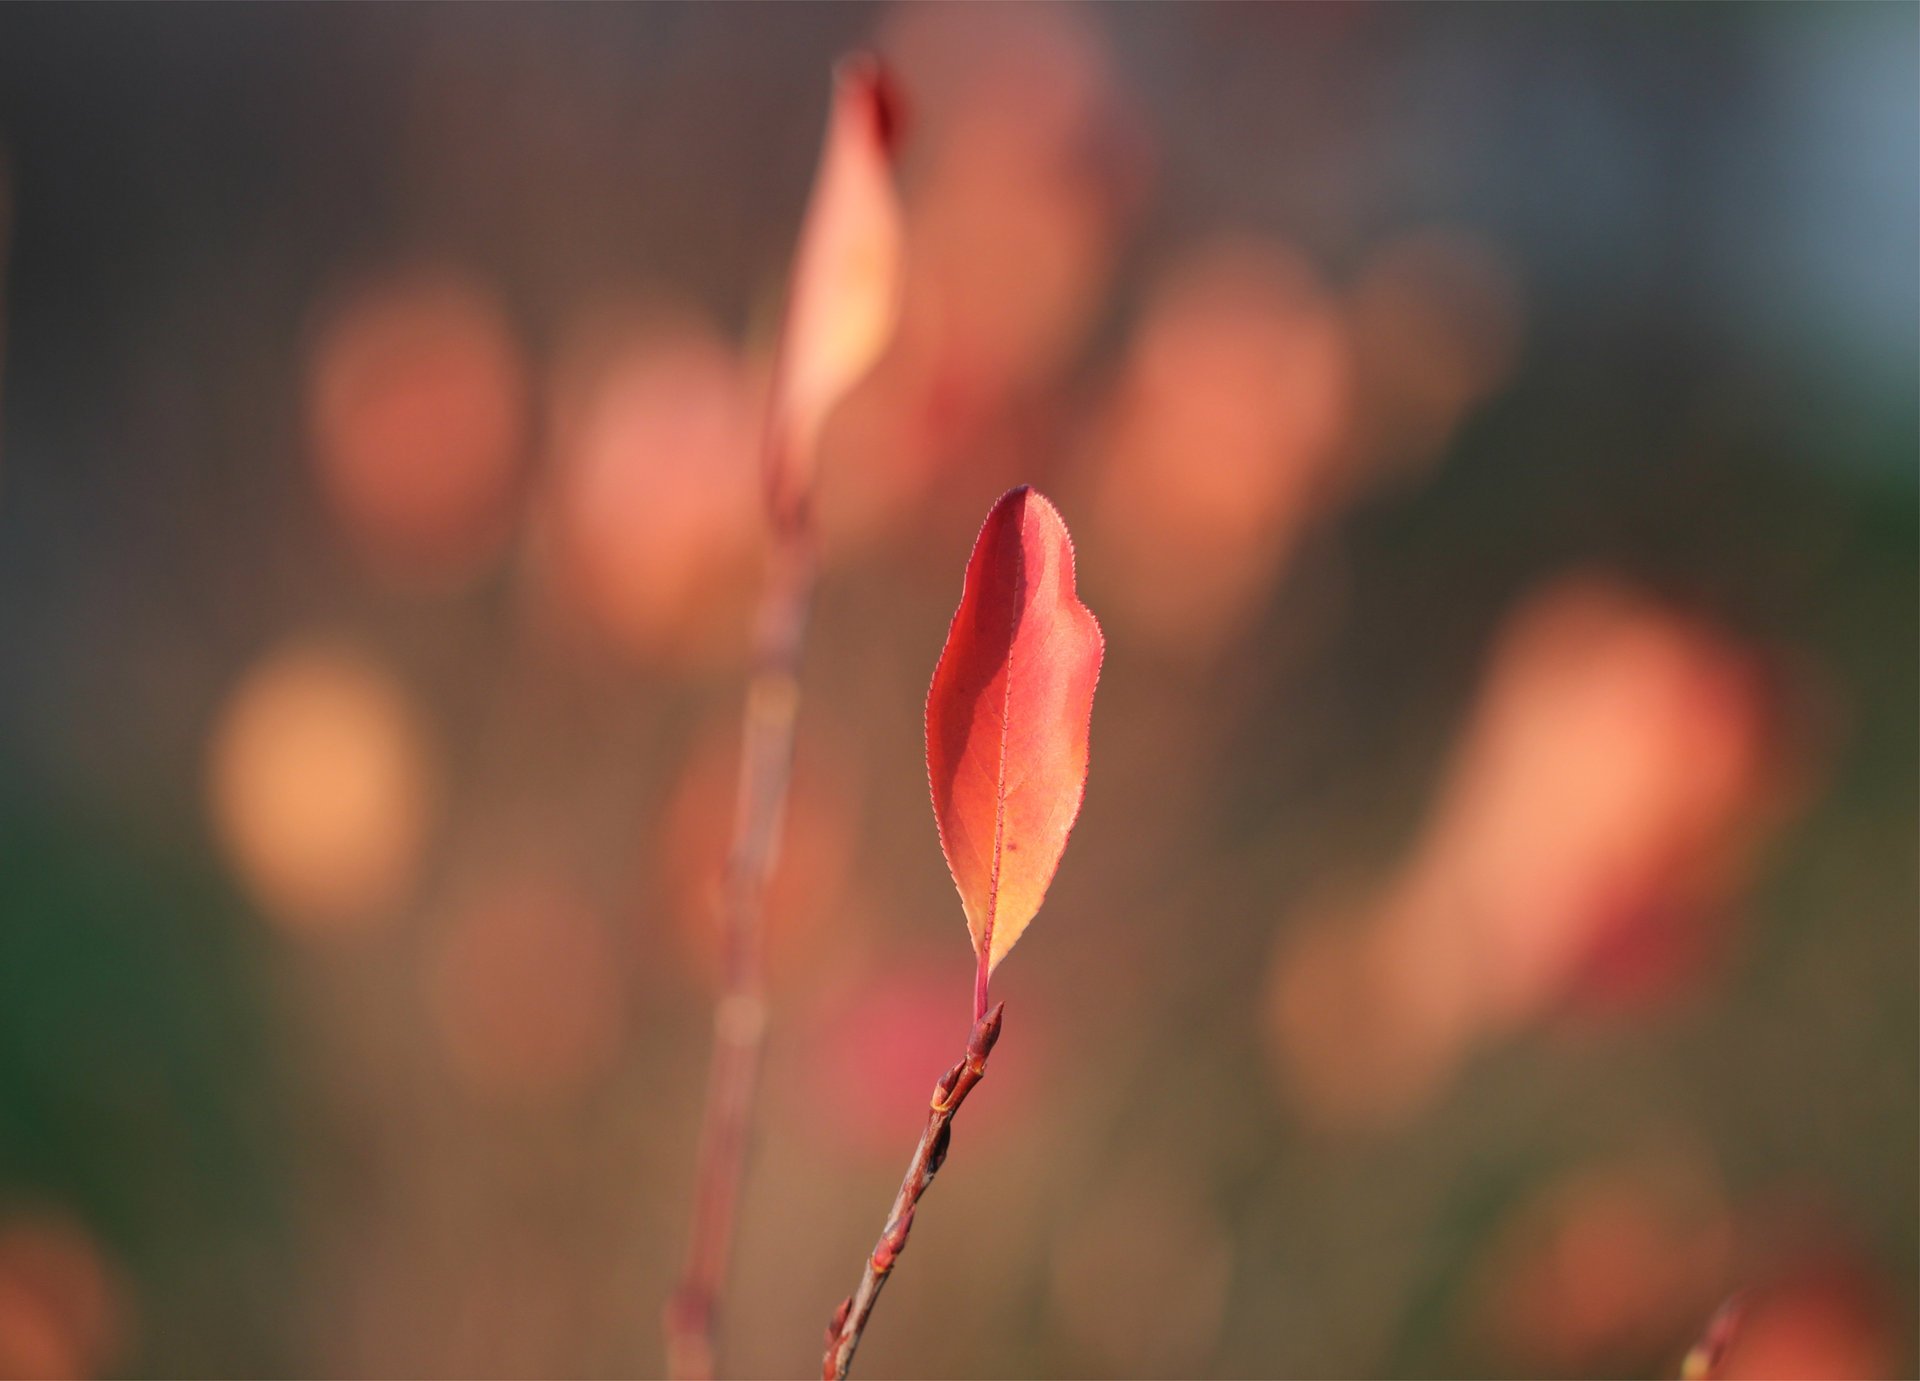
1006	732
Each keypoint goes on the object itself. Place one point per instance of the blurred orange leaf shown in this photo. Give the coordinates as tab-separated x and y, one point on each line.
1008	718
845	295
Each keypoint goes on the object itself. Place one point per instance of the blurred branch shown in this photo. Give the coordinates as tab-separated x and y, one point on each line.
740	1015
842	308
850	1319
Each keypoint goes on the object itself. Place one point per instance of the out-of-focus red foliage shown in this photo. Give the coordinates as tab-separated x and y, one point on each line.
1607	1264
1436	323
64	1314
1606	801
1232	410
418	405
1255	396
656	530
1599	819
1828	1317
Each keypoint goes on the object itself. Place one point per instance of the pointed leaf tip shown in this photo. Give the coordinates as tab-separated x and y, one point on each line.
863	74
843	300
1008	718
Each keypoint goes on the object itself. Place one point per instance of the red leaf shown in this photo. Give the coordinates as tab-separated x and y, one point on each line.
1007	720
844	299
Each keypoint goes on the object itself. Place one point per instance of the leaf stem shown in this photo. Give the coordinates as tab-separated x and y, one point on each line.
849	1321
740	1014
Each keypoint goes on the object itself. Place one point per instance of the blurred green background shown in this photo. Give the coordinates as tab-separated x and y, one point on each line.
1489	435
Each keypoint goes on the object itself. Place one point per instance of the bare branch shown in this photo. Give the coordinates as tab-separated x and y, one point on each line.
740	1015
849	1321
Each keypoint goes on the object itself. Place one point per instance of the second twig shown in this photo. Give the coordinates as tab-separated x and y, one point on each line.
740	1016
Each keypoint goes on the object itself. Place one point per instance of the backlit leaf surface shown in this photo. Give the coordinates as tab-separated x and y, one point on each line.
1008	716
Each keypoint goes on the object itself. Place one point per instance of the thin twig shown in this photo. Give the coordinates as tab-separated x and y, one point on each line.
850	1319
740	1015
